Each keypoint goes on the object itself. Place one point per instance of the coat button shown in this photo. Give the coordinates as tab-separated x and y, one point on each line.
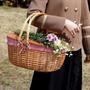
66	9
75	9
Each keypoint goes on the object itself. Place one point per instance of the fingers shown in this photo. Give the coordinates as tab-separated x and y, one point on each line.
72	27
73	33
77	27
76	30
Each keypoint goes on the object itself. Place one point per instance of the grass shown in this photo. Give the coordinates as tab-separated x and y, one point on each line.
11	77
14	77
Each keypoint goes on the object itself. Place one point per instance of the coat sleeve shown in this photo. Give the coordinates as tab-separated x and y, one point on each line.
85	18
52	22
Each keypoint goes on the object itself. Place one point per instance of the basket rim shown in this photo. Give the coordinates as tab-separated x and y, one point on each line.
44	49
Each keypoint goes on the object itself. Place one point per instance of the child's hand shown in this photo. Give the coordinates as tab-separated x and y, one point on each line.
71	27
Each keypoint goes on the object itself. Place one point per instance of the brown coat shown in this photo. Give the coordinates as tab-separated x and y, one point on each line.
58	11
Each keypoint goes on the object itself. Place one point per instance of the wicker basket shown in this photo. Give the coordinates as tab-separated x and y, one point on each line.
38	57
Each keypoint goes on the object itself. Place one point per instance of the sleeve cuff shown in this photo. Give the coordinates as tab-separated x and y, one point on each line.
86	27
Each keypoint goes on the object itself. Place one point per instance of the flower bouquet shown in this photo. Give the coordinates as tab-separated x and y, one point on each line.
57	44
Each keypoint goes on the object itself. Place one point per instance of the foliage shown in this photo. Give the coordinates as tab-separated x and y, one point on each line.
49	40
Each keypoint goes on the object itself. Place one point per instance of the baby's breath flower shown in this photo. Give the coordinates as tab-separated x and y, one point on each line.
57	42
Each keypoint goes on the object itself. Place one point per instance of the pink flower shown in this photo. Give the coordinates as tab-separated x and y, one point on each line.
52	37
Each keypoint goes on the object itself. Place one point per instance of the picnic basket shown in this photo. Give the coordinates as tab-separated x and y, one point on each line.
37	57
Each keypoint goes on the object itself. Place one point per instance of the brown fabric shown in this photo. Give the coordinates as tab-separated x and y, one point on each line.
86	40
57	11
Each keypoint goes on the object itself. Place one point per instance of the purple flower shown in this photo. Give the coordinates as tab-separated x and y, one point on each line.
52	37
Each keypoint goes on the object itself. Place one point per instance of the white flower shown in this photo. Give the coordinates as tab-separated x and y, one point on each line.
56	51
57	42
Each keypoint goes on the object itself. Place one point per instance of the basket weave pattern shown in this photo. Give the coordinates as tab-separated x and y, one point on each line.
41	59
35	60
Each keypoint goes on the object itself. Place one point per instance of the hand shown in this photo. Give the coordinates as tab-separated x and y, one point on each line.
87	60
71	27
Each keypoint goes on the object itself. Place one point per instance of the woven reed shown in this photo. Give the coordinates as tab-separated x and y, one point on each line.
41	61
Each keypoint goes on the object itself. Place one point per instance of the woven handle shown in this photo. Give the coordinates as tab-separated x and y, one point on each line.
24	25
31	18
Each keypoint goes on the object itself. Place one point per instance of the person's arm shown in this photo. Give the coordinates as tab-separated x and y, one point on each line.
52	22
85	18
